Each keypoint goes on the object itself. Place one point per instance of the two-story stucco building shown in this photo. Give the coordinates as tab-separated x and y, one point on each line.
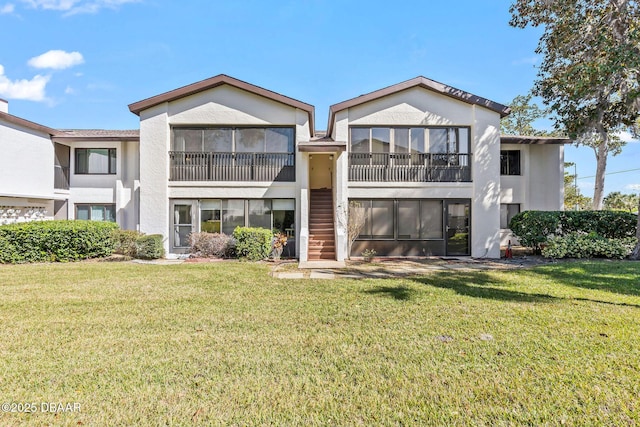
423	161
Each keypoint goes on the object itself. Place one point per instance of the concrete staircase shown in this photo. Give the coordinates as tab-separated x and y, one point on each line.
322	244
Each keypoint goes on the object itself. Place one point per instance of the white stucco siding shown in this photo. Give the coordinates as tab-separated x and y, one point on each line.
546	177
515	188
485	209
26	162
154	172
227	105
221	106
415	106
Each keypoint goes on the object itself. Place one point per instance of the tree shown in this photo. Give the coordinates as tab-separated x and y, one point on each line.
523	114
589	72
617	200
636	252
572	197
355	223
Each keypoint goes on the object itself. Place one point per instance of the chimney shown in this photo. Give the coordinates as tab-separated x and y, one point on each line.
4	106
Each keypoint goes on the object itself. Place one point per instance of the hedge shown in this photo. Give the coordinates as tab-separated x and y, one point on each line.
217	245
592	245
253	244
532	228
62	241
150	246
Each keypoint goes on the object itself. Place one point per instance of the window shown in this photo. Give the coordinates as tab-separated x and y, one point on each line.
96	212
510	162
95	161
224	216
234	140
508	211
402	219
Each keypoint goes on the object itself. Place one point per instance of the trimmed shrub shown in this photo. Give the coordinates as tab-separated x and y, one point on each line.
126	242
56	241
533	228
253	244
150	246
217	245
592	245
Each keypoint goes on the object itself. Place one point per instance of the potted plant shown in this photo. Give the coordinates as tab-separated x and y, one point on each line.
368	254
278	243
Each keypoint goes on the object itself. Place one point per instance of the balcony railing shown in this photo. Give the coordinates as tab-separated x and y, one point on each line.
409	167
208	166
61	177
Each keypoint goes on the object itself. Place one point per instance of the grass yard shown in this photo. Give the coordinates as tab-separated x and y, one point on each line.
224	343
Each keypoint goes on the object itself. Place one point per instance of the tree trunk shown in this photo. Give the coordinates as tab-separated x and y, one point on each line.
636	252
601	157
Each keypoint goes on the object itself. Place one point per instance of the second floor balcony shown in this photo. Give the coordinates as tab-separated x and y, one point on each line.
409	167
215	166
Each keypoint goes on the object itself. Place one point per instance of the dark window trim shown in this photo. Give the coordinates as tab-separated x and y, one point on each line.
395	220
455	127
506	164
90	205
233	128
109	150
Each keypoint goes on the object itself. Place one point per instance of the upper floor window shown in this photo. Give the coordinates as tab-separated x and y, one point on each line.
416	140
95	161
510	162
234	140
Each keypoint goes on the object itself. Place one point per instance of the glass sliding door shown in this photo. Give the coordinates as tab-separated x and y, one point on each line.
458	228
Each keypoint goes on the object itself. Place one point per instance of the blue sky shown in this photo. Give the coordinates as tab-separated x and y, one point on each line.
79	63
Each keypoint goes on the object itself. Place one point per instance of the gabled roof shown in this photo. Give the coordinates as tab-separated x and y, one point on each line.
26	123
422	82
96	135
216	81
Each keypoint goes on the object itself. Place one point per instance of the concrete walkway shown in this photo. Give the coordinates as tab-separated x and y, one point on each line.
391	268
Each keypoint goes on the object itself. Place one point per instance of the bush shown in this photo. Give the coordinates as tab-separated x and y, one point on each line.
533	228
56	241
592	245
126	242
217	245
150	246
253	243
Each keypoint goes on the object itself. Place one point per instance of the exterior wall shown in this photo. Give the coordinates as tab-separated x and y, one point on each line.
120	188
541	183
422	107
26	162
223	105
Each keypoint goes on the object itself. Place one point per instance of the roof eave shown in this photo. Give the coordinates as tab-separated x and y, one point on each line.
425	83
26	123
222	79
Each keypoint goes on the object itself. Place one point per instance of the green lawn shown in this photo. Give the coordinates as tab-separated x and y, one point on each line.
224	343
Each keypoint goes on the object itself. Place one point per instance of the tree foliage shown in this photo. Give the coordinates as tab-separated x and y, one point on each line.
572	197
523	114
589	72
618	201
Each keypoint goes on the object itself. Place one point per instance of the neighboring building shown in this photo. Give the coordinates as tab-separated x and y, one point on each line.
425	161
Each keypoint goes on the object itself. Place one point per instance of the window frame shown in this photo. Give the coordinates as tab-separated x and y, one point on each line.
367	204
234	137
507	205
506	163
91	206
112	155
425	138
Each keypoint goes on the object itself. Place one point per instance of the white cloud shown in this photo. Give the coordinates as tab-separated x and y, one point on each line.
57	60
69	90
627	137
633	187
31	90
7	8
73	7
